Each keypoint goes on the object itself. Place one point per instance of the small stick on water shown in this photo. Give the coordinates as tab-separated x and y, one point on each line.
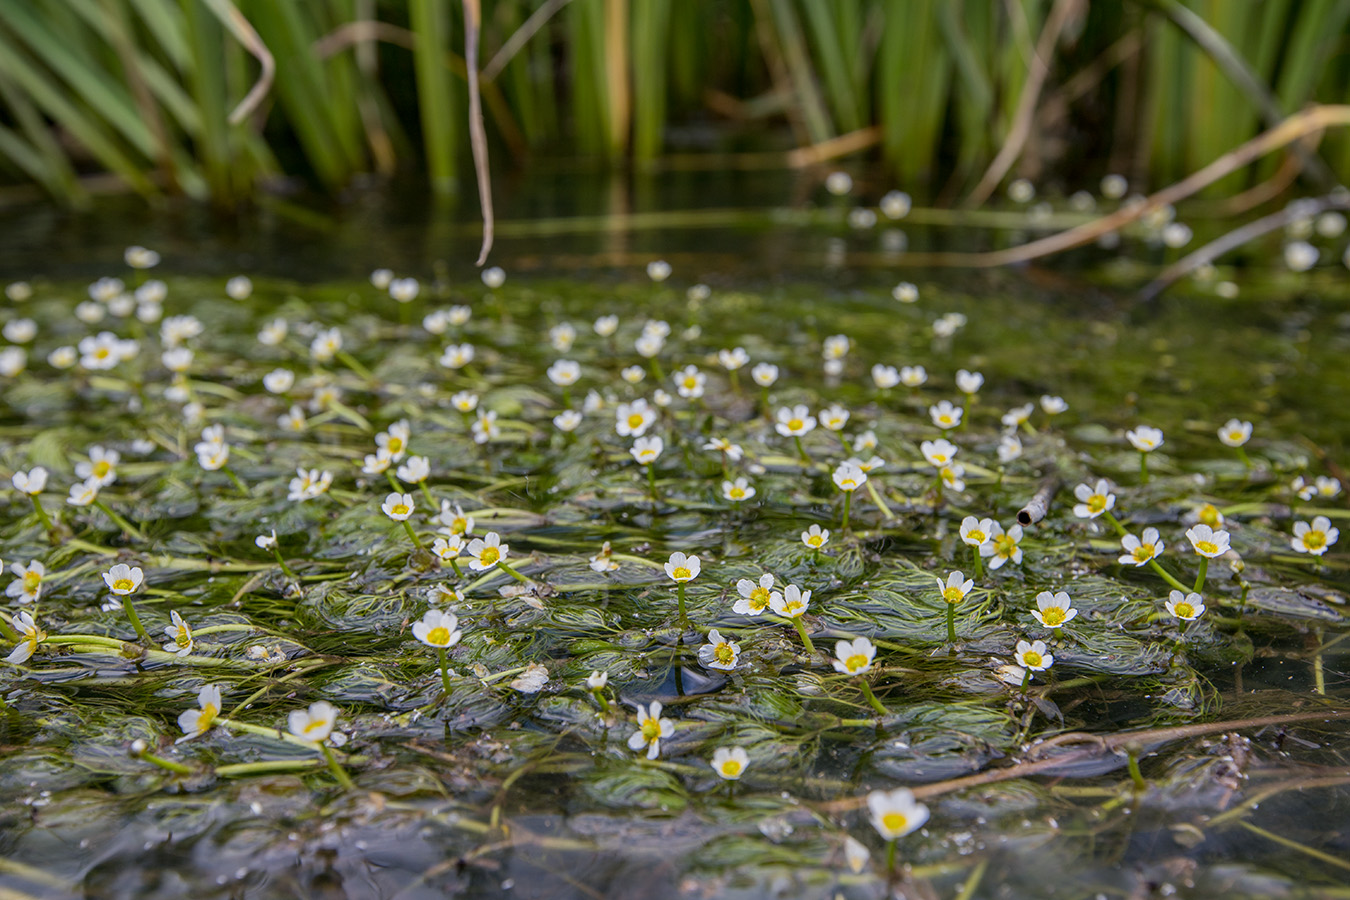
1039	504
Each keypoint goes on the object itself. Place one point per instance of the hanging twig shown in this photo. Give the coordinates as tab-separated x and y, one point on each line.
520	37
243	32
473	16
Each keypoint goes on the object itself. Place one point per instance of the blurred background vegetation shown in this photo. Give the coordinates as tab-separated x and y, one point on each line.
107	95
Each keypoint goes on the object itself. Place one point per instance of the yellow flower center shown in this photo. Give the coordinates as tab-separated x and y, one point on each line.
1184	610
759	598
795	424
953	594
315	725
394	445
1005	546
855	662
207	716
690	383
1208	515
1053	615
184	636
489	556
724	654
737	493
1096	503
401	509
943	419
848	484
102	468
123	584
816	541
977	536
102	353
1144	552
793	608
681	574
731	768
894	821
439	636
651	729
458	526
1207	547
1031	658
1315	540
635	420
31	581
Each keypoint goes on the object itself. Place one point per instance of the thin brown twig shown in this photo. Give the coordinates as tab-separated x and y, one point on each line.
244	32
1026	104
473	18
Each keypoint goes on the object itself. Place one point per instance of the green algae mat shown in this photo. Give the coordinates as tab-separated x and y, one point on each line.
630	588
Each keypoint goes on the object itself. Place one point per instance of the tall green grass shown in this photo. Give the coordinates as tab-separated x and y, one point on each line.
144	89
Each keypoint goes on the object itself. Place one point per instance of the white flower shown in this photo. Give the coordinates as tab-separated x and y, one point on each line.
564	372
603	561
690	382
1300	256
1114	186
791	603
658	270
1053	405
63	357
123	579
939	453
651	728
532	680
315	724
90	312
646	449
83	493
834	418
438	629
382	278
836	346
198	721
19	331
485	427
140	258
606	325
308	484
649	345
885	377
722	445
179	635
212	456
795	421
436	321
1093	501
816	537
682	568
177	329
27	584
32	482
404	290
486	551
977	532
945	415
969	382
633	419
838	183
865	442
737	490
567	420
1053	610
949	324
273	333
952	476
854	657
754	597
240	287
279	381
398	506
562	336
1017	416
764	374
325	345
267	541
849	477
955	588
895	813
100	351
1003	546
1033	656
19	291
448	547
730	763
1185	606
1235	433
1138	551
1314	538
1145	438
464	401
1009	448
415	470
913	376
733	359
1207	541
30	635
597	680
457	356
494	277
395	440
633	374
454	519
292	420
719	653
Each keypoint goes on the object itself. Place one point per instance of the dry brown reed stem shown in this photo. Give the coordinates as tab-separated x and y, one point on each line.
1039	504
473	17
803	157
1237	237
520	37
1296	127
243	32
1026	104
1094	747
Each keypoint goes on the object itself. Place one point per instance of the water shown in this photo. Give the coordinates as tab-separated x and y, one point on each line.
495	791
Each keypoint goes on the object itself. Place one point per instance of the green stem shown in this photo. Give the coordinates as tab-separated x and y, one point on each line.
951	623
651	483
801	450
1153	564
426	492
806	638
600	699
276	551
1143	467
393	482
130	609
512	572
890	856
1200	576
352	363
238	485
871	697
119	521
336	768
1132	761
1115	523
848	496
163	763
965	413
412	535
876	498
979	562
445	670
1242	601
679	595
8	633
42	513
1242	455
459	573
1026	681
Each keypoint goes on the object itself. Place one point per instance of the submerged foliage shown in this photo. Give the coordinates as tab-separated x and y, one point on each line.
398	604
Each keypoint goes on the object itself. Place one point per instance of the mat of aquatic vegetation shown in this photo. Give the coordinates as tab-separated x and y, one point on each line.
1135	753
